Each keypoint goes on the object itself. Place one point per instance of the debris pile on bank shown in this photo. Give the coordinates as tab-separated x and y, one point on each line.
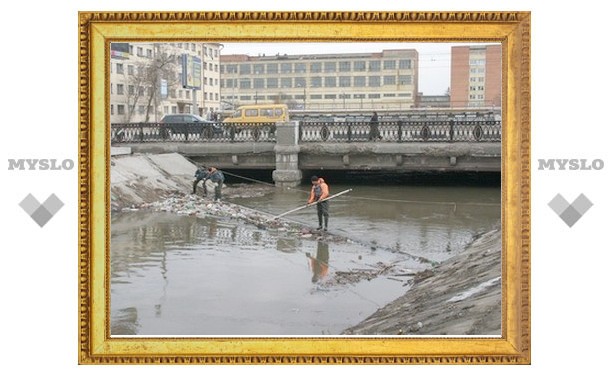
195	205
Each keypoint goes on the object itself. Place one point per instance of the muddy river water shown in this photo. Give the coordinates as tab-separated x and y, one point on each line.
181	275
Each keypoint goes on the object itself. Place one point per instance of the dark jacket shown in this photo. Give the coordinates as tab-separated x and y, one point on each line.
201	173
215	176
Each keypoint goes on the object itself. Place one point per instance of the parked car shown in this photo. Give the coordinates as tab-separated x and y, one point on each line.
189	124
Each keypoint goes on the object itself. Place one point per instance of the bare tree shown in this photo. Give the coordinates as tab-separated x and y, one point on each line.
147	80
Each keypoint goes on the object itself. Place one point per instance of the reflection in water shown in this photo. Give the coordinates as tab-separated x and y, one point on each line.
182	275
319	264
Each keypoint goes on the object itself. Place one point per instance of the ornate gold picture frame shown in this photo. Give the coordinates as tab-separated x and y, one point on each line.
98	29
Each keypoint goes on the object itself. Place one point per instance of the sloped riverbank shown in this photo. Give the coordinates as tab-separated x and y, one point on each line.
460	296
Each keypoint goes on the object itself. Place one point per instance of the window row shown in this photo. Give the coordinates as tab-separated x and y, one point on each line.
317	82
343	96
316	67
120	89
133	70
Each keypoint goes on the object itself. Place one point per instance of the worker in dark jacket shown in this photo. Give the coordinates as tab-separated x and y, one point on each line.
217	177
318	192
200	175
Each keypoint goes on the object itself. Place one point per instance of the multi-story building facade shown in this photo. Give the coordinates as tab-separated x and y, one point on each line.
476	76
383	80
147	81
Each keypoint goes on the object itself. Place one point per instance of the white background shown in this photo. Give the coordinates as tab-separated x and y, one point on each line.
571	84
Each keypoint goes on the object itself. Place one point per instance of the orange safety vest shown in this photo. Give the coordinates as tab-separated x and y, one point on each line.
324	191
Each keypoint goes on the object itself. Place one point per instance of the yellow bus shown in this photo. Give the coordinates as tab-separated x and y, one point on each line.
259	114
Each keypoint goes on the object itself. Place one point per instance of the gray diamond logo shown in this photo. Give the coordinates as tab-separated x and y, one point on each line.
570	213
41	213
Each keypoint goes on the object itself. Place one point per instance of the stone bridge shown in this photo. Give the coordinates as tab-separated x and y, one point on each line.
292	151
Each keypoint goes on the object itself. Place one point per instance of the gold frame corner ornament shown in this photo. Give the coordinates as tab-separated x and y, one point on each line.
98	29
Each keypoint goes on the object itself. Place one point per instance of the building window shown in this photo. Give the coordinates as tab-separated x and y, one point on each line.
345	81
389	80
388	94
359	81
112	88
131	49
344	66
374	81
330	96
300	82
112	109
389	64
285	68
374	66
188	94
130	69
272	68
359	96
286	82
300	68
404	95
166	109
272	82
405	80
316	97
216	96
359	65
193	47
119	89
131	90
330	66
315	82
405	64
139	51
245	83
119	68
180	93
149	53
258	69
330	81
210	81
121	109
245	98
222	70
141	109
232	68
259	83
174	109
374	95
315	67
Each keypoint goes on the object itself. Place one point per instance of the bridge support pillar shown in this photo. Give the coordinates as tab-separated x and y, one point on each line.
287	149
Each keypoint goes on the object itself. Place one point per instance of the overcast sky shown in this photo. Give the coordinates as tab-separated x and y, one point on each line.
434	58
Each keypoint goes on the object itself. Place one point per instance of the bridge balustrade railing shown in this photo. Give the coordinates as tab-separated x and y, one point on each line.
196	132
449	130
401	131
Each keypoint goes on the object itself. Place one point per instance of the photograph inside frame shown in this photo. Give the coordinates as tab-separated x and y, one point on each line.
305	189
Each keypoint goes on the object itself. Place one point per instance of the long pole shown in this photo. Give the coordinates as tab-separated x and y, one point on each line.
311	204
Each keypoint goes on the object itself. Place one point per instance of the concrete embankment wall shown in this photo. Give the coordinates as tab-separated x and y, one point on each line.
143	178
461	296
